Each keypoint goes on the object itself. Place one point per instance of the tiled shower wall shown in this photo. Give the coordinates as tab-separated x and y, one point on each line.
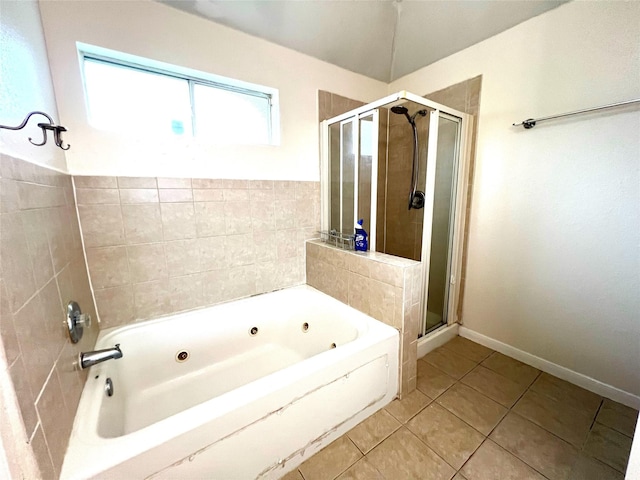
157	246
42	269
385	287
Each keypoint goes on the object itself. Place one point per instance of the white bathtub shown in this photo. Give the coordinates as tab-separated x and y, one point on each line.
241	406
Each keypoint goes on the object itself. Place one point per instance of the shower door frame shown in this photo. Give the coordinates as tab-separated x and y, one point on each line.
462	183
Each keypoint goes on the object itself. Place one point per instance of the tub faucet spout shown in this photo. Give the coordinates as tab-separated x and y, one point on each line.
88	359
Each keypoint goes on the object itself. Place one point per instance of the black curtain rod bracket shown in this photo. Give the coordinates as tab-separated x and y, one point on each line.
55	129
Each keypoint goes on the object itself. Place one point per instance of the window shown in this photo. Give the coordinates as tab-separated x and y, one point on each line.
168	100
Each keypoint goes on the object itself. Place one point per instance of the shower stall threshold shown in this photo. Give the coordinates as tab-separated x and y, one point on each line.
437	338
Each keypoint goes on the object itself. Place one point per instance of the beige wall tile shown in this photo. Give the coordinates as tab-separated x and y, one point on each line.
7	329
9	199
284	211
210	219
237	218
239	250
231	183
151	299
265	246
41	452
207	195
142	223
172	195
101	225
108	266
185	293
389	274
227	284
288	243
211	252
39	341
15	261
359	297
35	223
24	393
137	182
183	257
56	422
147	262
138	195
69	378
58	235
207	183
382	302
95	182
94	196
263	210
236	195
116	306
178	220
360	264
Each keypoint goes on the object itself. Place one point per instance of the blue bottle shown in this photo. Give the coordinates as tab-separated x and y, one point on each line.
361	242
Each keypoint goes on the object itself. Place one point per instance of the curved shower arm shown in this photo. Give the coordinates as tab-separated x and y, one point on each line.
414	172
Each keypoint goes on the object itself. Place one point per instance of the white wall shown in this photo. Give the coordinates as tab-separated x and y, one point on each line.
26	84
554	259
159	32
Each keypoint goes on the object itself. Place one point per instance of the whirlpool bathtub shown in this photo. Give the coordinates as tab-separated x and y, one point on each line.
247	389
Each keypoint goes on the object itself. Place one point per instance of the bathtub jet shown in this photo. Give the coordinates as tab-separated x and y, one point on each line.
88	359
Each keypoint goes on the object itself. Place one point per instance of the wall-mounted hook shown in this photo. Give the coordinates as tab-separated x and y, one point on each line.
56	129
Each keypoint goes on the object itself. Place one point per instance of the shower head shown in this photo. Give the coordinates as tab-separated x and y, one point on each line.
400	110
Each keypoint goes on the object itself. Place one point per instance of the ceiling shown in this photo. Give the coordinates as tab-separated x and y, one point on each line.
381	39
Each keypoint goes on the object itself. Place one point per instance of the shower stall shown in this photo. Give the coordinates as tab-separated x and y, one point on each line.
401	165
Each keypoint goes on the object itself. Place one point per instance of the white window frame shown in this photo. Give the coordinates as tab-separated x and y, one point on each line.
192	76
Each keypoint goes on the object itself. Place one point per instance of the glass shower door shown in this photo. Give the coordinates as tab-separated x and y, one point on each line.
443	222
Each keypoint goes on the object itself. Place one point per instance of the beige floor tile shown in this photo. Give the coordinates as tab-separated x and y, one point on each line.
471	350
331	461
361	470
432	381
538	448
617	416
451	363
403	456
491	462
511	368
294	475
406	408
557	417
479	411
608	446
373	430
459	477
562	391
494	385
587	468
446	434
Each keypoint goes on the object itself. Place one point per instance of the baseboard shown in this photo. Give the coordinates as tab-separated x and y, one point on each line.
564	373
436	339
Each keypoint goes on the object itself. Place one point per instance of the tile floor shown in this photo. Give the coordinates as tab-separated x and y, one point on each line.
479	415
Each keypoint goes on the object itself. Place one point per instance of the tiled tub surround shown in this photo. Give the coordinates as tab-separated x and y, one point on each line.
385	287
157	246
42	267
